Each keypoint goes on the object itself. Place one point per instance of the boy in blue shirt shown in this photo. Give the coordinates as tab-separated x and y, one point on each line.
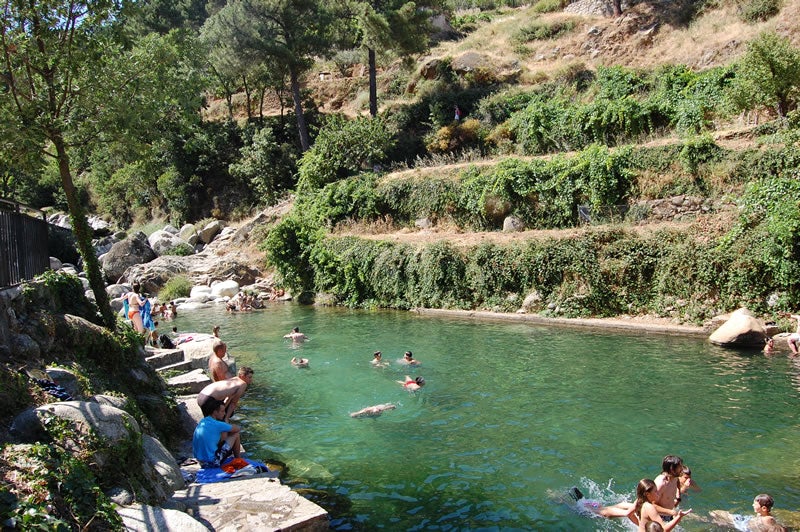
215	440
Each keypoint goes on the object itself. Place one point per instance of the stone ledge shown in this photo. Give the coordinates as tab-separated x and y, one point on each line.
254	503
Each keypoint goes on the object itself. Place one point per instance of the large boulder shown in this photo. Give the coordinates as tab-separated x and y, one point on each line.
189	233
200	293
165	242
211	230
153	275
160	468
224	288
126	253
111	423
742	329
198	350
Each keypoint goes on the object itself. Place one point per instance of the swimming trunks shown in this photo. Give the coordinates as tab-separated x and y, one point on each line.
202	398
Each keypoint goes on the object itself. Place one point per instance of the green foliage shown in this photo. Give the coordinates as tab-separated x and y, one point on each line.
61	292
178	286
766	240
266	165
698	150
758	10
63	490
469	22
767	75
289	246
343	148
548	6
540	31
175	190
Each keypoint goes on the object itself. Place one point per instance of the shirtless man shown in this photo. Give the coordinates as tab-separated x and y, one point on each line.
217	368
296	336
135	303
668	493
373	411
229	391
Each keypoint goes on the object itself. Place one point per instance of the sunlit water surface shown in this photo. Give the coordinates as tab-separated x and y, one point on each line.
511	416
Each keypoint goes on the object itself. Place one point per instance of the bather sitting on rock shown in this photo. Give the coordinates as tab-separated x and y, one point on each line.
373	411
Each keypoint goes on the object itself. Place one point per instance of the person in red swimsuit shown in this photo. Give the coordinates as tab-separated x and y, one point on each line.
413	385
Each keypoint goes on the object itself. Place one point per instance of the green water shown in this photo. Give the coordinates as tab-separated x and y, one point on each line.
511	416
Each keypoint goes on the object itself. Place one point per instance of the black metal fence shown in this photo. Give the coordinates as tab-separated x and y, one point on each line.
23	243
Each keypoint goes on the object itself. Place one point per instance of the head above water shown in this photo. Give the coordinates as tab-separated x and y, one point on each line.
408	355
296	329
420	381
764	500
377	354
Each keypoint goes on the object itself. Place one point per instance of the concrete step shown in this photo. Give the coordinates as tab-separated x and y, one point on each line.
189	383
183	365
158	358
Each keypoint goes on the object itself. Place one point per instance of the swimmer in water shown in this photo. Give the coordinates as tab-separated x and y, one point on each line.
621	509
409	359
373	411
412	385
299	362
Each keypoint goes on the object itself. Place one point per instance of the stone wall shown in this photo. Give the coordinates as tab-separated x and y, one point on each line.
675	208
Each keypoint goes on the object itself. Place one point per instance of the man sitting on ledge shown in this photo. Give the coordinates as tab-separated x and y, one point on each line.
214	440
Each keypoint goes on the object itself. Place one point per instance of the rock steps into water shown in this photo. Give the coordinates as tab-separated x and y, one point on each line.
252	503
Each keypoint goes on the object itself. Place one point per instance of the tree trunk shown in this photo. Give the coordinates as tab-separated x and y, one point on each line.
302	126
617	7
373	83
247	98
83	234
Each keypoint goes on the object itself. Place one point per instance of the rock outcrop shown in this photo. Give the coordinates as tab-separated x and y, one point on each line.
742	329
124	254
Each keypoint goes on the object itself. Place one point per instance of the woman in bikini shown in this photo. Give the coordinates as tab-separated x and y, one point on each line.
135	303
646	510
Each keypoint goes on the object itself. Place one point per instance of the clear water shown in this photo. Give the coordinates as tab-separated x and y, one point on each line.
511	416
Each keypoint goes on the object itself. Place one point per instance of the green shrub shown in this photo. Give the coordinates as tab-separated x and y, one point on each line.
548	6
540	31
758	10
178	286
344	148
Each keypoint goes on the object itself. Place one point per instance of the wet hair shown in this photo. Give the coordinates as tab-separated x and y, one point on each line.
671	463
686	471
376	354
652	526
296	329
408	354
244	371
644	487
765	500
210	406
420	381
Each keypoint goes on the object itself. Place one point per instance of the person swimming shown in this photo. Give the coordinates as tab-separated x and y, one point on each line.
299	362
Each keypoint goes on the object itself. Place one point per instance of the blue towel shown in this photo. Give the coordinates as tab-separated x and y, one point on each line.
125	308
216	474
147	319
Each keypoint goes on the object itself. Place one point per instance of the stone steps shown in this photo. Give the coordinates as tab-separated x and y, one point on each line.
183	365
189	383
159	358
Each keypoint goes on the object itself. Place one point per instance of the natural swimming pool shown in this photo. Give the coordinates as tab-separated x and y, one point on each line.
511	416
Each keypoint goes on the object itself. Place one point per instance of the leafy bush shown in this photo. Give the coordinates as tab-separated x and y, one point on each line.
758	10
548	6
540	31
455	137
345	60
343	148
178	286
266	165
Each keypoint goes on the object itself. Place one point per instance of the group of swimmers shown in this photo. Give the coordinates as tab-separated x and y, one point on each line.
656	506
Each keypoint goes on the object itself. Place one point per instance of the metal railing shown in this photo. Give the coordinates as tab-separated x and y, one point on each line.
23	243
